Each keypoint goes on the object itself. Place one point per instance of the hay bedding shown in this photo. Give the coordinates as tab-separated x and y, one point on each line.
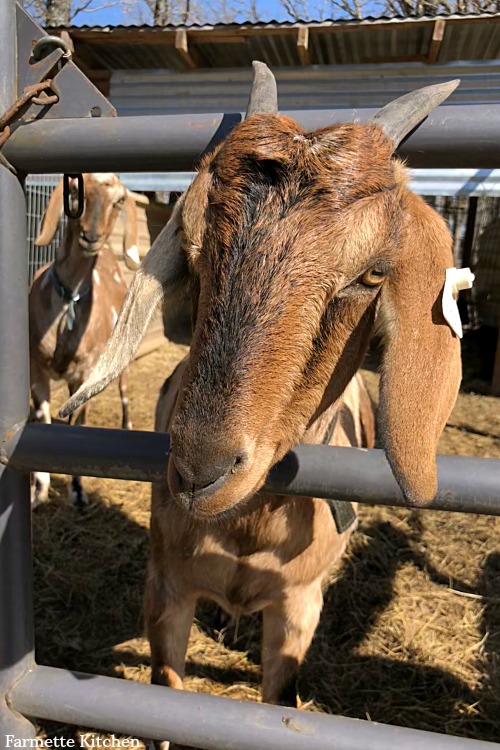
410	632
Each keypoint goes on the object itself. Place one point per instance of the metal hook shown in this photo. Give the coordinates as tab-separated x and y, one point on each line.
68	209
48	44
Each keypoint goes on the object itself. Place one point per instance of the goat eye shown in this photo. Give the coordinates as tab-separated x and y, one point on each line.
373	277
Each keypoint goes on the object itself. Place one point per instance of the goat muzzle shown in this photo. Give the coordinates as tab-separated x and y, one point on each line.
207	489
90	246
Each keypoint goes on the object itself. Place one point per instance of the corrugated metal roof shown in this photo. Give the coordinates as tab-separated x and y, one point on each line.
273	23
333	42
198	91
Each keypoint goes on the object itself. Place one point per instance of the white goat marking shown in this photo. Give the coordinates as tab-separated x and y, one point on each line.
95	274
43	412
116	276
40	490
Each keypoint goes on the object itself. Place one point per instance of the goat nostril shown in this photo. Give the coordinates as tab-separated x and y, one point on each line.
238	461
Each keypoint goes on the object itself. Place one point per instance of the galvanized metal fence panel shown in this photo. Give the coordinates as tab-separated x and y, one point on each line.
38	191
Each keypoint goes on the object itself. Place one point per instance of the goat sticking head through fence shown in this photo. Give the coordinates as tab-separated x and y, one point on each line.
296	245
105	197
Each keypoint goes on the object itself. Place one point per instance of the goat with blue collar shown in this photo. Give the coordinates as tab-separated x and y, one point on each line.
74	302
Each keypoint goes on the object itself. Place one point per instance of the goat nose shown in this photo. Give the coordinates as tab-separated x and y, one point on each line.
196	477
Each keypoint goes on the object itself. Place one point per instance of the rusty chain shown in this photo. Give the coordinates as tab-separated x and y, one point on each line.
30	94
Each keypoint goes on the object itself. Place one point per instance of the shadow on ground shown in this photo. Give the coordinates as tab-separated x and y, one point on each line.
89	579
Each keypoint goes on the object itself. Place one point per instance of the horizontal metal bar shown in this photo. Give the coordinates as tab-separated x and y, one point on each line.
470	485
452	136
205	721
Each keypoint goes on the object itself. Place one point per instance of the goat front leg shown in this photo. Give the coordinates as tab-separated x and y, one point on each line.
76	494
288	629
123	386
40	393
168	624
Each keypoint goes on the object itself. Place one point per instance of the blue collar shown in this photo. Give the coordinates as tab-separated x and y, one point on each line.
68	295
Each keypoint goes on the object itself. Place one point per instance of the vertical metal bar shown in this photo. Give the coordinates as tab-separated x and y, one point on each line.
16	620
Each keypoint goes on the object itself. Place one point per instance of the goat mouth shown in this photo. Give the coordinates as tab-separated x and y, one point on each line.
189	495
89	249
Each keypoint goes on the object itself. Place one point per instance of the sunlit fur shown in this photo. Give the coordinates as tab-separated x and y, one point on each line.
279	228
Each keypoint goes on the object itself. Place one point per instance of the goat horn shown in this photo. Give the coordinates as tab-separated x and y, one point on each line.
263	96
398	118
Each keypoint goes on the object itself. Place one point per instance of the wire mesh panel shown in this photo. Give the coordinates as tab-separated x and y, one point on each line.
39	188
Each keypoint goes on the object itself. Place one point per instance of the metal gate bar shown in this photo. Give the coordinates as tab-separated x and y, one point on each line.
16	612
452	136
206	721
469	485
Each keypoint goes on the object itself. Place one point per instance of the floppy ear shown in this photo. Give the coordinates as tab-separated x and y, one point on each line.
130	238
163	271
421	367
51	217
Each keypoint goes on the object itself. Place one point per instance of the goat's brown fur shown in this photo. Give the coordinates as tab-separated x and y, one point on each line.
279	228
296	244
86	263
274	556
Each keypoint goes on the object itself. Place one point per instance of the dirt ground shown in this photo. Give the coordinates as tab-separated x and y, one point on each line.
410	632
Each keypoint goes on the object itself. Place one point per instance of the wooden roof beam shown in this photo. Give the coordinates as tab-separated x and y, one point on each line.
191	56
437	38
303	45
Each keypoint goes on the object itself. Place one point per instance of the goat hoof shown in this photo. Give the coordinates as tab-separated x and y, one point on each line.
76	495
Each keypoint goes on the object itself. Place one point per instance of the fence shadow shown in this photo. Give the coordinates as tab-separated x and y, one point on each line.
89	581
489	588
388	690
89	572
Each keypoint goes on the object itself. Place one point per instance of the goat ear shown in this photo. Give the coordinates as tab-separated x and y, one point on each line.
421	367
51	217
130	238
162	271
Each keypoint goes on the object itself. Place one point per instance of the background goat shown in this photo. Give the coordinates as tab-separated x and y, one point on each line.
74	301
295	244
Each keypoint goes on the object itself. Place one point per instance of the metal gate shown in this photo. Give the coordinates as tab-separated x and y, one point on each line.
77	134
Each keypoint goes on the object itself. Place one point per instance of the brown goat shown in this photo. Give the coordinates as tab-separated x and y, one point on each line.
296	245
74	301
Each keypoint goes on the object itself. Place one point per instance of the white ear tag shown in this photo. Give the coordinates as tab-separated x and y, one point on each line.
456	280
132	259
